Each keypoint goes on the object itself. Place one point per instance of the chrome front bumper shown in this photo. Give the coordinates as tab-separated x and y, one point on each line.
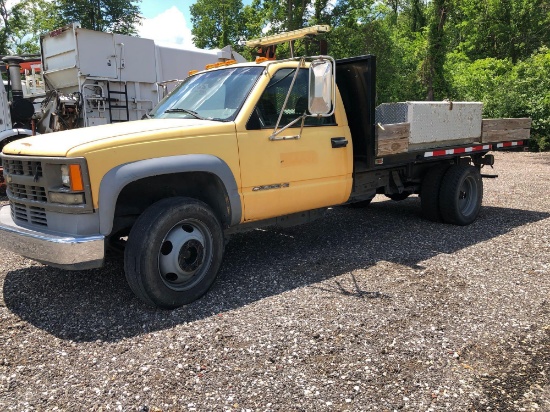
65	252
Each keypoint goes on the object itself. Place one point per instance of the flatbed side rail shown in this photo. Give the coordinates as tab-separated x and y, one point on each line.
420	156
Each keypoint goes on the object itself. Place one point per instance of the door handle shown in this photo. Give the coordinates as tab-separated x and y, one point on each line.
338	142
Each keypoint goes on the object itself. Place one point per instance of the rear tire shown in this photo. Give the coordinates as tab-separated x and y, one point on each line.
429	192
461	195
174	252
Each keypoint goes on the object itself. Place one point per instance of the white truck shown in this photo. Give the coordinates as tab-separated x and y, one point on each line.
94	78
99	78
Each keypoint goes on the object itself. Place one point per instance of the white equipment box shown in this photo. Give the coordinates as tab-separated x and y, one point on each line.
434	124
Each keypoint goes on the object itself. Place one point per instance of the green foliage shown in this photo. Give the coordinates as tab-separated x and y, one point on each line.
477	80
117	16
22	24
217	24
501	28
530	80
286	15
436	51
398	73
507	89
5	29
30	18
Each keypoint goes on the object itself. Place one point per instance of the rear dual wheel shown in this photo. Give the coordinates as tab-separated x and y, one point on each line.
460	195
429	192
452	194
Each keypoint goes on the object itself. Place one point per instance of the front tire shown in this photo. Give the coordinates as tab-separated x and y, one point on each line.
174	252
461	195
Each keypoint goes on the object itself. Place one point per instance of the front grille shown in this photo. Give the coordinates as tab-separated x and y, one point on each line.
36	193
29	214
30	179
23	167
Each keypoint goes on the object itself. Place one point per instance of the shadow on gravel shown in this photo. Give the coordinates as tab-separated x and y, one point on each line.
98	305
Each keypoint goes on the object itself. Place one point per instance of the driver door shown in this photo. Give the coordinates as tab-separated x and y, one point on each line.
293	174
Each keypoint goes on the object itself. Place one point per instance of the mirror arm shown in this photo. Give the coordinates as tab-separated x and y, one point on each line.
276	131
282	129
302	125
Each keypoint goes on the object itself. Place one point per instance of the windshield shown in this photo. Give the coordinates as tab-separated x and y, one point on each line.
212	95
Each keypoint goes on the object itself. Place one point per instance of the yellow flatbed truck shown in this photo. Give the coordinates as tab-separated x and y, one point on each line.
235	147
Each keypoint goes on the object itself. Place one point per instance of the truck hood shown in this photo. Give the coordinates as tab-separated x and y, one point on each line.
61	143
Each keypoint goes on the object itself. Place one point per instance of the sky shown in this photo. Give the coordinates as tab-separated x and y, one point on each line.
166	21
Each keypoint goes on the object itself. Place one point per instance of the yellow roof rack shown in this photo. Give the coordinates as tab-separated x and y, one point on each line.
288	36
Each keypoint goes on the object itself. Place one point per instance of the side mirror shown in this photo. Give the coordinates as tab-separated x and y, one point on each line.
321	87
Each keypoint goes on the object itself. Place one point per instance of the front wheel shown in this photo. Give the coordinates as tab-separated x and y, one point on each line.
461	195
174	252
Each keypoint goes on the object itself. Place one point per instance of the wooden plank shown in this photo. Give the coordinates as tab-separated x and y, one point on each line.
392	138
502	130
506	124
492	136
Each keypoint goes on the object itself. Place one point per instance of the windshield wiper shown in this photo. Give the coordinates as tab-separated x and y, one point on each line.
187	111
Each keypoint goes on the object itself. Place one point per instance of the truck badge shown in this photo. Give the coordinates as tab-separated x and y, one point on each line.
269	187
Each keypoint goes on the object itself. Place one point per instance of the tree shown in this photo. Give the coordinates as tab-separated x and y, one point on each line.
416	10
22	24
29	19
436	50
394	5
217	24
117	16
501	28
506	89
285	15
6	28
321	12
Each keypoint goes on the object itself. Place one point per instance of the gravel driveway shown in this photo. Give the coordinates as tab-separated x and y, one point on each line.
363	310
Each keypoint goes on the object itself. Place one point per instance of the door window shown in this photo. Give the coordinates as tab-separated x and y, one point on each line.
271	102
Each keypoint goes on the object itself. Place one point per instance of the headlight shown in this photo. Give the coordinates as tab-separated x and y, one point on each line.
65	178
67	198
71	177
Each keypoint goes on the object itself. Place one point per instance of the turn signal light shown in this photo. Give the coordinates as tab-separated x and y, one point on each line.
75	173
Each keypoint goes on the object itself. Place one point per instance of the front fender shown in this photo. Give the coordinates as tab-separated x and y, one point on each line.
117	178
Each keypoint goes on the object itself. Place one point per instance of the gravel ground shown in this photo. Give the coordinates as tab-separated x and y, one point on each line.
363	310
